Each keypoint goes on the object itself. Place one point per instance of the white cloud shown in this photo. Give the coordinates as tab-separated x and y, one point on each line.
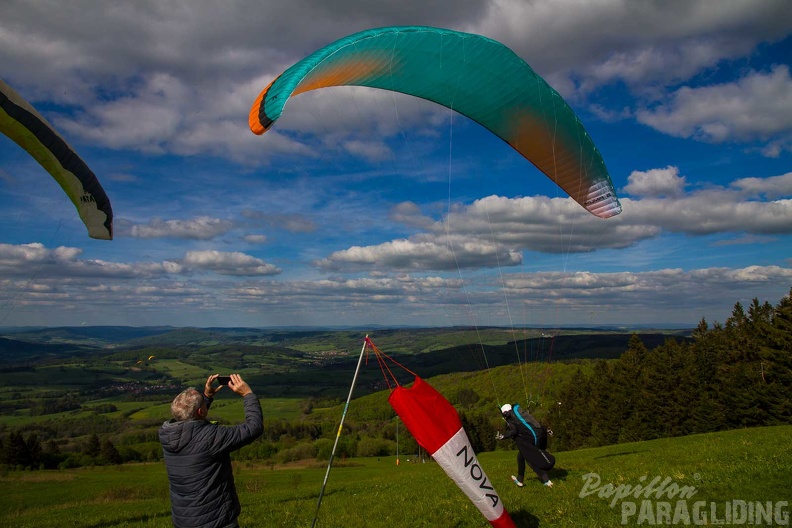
228	263
181	91
710	212
31	254
656	182
756	107
573	44
198	228
199	84
773	187
147	291
410	214
422	253
35	260
493	231
255	239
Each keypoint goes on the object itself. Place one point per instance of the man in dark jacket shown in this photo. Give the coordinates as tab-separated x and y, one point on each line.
531	439
198	456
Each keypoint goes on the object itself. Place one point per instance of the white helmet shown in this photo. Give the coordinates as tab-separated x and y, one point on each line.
506	408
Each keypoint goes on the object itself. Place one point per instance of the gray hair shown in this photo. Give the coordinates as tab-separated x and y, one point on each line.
186	404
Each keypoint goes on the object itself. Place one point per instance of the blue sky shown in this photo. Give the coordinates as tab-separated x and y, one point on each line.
344	213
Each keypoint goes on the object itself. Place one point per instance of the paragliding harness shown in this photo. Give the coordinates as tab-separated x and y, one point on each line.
539	458
539	433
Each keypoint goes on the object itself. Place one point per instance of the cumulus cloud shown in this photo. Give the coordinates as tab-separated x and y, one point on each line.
182	90
177	105
255	239
405	297
489	233
756	107
714	211
198	228
658	44
422	253
493	231
32	254
773	187
35	260
410	214
145	120
228	263
732	209
656	182
539	223
664	286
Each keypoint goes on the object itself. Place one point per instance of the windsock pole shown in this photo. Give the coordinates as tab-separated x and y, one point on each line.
338	435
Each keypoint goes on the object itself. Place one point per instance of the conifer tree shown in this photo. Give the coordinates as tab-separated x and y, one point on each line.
109	452
631	370
776	362
34	451
607	404
572	427
681	389
16	451
781	335
705	411
93	447
741	392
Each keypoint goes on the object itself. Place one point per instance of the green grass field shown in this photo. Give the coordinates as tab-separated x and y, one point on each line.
751	465
228	409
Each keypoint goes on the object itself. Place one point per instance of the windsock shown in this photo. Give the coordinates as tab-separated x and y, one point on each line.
435	425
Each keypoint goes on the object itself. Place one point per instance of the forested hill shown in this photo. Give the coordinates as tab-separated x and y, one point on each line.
567	342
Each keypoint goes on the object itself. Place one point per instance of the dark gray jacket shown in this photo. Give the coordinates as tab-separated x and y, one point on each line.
197	457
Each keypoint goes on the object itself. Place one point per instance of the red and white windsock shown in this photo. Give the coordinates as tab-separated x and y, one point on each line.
435	425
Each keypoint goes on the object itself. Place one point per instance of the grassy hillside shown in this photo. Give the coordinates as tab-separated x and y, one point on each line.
123	395
751	465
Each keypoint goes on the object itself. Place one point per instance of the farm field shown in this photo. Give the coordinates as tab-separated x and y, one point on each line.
720	470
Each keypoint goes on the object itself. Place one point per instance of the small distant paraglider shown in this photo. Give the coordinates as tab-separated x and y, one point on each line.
144	362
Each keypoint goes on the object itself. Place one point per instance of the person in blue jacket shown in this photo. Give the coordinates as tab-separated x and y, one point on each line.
198	456
531	439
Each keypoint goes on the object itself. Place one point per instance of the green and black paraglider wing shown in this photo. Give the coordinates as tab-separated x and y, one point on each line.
23	124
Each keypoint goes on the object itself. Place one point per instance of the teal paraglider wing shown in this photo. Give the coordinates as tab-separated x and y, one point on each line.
22	123
473	75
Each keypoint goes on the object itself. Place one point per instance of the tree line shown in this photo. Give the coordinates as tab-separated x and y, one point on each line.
732	375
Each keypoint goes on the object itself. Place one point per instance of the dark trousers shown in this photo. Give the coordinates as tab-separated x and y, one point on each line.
540	461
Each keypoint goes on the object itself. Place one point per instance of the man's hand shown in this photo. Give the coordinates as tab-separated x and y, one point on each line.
210	391
238	385
498	436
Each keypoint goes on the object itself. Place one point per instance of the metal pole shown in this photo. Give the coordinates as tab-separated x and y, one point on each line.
338	435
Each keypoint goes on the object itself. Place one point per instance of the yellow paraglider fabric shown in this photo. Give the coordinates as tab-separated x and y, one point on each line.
23	124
